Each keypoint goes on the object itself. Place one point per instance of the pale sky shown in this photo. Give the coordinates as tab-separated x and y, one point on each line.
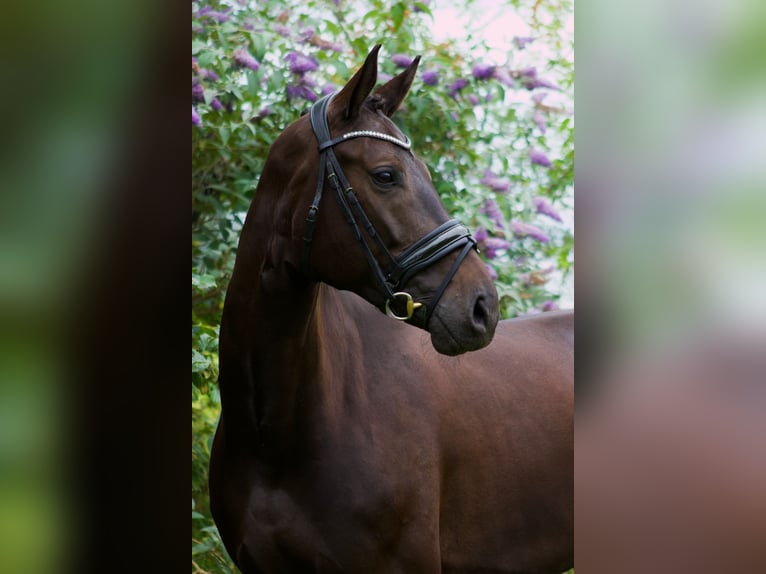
497	23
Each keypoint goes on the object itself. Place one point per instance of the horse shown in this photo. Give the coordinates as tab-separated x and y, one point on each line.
376	416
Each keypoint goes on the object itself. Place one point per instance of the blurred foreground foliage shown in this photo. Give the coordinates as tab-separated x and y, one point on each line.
495	128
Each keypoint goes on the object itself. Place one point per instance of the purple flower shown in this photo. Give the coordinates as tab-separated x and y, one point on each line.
198	91
522	42
531	81
307	33
431	77
549	305
539	120
216	104
208	12
401	60
483	71
307	81
504	77
301	91
195	117
293	91
473	99
491	271
300	63
455	87
540	83
208	75
542	205
327	45
492	210
539	97
495	183
282	30
265	111
480	234
243	59
328	89
220	16
539	158
525	229
494	245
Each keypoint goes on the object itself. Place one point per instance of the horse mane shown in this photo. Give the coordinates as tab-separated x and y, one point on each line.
375	102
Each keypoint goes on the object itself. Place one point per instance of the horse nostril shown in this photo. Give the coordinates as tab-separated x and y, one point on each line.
480	314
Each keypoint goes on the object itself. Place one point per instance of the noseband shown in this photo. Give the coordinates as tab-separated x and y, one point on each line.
446	238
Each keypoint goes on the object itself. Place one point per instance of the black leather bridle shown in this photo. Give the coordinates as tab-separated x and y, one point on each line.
446	238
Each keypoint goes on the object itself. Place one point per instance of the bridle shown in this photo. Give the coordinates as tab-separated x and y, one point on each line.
446	238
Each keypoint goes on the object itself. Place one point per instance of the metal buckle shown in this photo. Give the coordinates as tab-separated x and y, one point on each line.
410	305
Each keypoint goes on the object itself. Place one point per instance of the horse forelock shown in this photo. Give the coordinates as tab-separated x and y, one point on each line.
372	116
376	103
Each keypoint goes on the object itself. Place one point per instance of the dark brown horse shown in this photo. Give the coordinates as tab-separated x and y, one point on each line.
348	442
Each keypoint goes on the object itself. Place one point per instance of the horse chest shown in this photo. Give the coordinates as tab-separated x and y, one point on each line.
344	509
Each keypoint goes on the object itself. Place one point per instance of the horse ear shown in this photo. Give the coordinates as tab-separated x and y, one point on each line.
355	92
393	92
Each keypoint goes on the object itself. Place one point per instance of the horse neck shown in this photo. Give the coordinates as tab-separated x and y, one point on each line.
283	340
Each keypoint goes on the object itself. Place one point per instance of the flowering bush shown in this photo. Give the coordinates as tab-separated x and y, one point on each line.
496	133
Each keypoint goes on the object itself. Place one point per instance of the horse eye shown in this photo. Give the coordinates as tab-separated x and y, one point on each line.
384	177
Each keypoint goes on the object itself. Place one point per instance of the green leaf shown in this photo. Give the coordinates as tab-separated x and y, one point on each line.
333	28
371	15
259	45
209	95
253	85
341	69
423	8
200	362
197	46
200	548
397	15
206	58
203	282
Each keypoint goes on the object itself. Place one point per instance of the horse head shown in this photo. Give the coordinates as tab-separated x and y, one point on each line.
381	230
